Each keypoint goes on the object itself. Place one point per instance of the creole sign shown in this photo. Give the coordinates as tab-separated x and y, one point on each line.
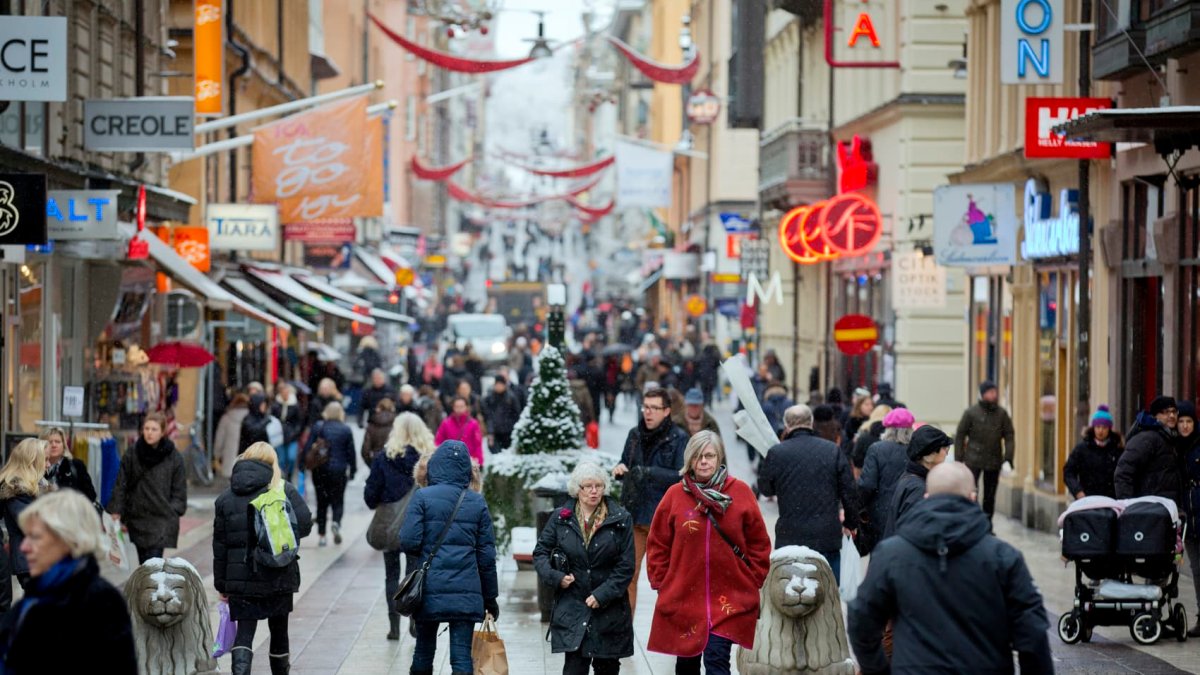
146	124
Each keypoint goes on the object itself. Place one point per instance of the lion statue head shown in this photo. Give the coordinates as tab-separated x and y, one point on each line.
800	628
170	618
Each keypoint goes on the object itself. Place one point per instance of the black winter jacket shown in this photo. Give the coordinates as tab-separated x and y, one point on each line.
910	490
72	473
234	571
812	479
863	442
35	643
885	464
150	494
1150	466
463	573
501	412
654	458
1091	467
316	409
371	396
341	447
961	600
981	431
292	419
390	479
378	430
603	569
13	500
254	430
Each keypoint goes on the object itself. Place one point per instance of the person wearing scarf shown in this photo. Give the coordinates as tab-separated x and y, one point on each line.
62	536
707	555
150	495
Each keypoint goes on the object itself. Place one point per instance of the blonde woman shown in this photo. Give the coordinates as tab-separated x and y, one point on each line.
391	480
327	392
20	484
255	592
63	470
331	477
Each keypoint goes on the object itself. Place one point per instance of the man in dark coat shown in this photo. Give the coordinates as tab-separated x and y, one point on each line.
650	464
812	479
960	600
375	392
985	440
884	465
927	449
1150	466
501	410
254	426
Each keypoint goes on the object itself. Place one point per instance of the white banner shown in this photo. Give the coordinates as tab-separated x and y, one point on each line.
918	282
975	225
33	58
242	227
643	176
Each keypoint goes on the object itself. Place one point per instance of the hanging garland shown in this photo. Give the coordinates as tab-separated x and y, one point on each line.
592	212
436	172
575	172
450	62
460	193
655	70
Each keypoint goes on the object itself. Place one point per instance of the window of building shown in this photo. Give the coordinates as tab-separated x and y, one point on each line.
991	334
1141	334
1188	344
23	126
410	118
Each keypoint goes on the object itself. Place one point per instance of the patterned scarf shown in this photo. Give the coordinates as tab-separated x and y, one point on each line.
589	525
709	495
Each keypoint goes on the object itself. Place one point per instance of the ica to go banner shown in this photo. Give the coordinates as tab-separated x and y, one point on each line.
209	56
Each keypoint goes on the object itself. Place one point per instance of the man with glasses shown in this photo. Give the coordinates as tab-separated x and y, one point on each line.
1149	466
650	464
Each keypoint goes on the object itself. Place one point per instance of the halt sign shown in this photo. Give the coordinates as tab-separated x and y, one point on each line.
855	334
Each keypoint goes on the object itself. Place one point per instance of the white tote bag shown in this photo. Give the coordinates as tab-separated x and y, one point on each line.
850	570
119	552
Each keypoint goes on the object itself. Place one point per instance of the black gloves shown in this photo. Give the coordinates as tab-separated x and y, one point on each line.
492	607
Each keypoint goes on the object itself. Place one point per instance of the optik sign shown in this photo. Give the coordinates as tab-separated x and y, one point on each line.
1031	41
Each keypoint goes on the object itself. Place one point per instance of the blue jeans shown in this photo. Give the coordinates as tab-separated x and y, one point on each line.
461	633
715	656
287	459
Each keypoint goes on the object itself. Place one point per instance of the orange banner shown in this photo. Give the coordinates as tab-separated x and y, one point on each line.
191	243
365	198
208	46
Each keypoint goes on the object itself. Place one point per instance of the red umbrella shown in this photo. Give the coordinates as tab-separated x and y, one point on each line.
181	354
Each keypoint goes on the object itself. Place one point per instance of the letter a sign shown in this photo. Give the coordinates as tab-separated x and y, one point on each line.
1031	41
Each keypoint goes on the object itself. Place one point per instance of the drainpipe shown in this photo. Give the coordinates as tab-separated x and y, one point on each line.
230	25
139	67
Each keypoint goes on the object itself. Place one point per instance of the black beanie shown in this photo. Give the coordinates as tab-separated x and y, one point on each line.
823	413
1162	403
987	386
926	441
1187	409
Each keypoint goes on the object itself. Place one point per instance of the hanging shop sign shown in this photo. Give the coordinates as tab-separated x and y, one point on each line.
726	278
917	282
728	307
975	225
1031	41
208	47
756	292
855	334
681	266
1048	236
756	256
857	169
22	208
857	32
242	227
191	243
703	107
33	58
332	256
321	231
696	306
846	226
643	176
82	214
736	223
145	124
1043	114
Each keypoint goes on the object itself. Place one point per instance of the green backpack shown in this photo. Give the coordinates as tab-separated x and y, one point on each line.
274	528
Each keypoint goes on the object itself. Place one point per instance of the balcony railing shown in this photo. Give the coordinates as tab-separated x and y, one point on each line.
1174	30
793	165
1115	57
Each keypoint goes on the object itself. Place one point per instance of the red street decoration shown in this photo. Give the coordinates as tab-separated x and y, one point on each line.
575	172
180	354
657	71
855	334
462	194
593	212
846	226
139	249
450	62
436	172
856	164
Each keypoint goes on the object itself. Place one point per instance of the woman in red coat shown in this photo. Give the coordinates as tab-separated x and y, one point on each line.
707	593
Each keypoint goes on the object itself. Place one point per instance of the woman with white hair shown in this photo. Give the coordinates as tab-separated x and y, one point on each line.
390	482
330	455
586	553
62	538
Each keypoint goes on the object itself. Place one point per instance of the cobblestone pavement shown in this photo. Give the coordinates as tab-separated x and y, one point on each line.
341	618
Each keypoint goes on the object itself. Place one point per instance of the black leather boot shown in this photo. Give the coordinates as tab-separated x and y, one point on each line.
280	664
243	657
394	633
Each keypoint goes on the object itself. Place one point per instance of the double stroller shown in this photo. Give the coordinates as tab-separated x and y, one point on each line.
1126	572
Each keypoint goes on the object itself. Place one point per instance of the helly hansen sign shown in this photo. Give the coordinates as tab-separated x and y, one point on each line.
146	124
33	58
1043	114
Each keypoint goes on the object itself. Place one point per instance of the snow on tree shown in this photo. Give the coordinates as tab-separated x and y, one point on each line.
551	421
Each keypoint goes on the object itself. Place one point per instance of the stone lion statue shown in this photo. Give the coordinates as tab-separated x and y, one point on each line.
171	629
800	627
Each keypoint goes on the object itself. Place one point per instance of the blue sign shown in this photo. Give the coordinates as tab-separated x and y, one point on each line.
730	307
735	222
82	214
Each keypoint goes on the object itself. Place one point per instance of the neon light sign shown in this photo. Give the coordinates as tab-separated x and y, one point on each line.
1031	41
857	164
1046	236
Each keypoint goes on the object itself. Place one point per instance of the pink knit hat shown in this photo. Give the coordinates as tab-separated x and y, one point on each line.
898	419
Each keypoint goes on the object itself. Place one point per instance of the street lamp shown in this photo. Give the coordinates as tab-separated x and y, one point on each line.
541	46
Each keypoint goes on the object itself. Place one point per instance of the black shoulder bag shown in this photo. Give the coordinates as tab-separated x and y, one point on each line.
737	550
411	593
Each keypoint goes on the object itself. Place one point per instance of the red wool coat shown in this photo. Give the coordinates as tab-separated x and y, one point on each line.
702	585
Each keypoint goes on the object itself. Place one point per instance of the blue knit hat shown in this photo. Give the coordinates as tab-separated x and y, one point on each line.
1102	418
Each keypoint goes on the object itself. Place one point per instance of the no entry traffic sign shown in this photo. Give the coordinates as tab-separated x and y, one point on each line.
855	334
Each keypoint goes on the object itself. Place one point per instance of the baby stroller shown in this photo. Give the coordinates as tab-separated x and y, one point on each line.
1125	556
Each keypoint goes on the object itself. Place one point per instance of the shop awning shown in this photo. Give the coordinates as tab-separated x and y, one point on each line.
250	292
376	266
183	272
329	290
242	307
650	281
1168	129
385	315
293	289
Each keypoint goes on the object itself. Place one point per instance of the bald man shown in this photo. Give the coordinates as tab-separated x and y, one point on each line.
960	599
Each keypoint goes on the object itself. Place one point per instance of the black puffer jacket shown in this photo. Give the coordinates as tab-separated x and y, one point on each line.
882	469
1150	467
72	473
910	490
961	600
254	429
292	418
603	569
812	479
150	494
13	500
1091	467
654	458
234	570
34	636
863	442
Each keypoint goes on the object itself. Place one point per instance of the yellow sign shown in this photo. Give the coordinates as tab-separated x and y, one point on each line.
696	305
726	278
404	276
435	260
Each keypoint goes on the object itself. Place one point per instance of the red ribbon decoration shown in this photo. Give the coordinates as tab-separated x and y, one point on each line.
593	212
657	71
575	172
436	172
462	194
448	61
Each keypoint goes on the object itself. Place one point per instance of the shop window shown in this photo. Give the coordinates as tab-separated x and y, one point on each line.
27	384
1141	301
991	334
23	126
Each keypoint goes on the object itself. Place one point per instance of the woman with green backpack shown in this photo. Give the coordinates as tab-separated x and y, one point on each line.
255	561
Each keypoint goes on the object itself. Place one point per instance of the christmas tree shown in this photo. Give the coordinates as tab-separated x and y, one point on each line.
550	422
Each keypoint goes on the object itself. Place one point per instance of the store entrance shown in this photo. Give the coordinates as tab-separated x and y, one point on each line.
1141	338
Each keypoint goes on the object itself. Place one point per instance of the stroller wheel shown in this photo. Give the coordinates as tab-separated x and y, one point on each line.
1087	630
1145	629
1179	622
1070	627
